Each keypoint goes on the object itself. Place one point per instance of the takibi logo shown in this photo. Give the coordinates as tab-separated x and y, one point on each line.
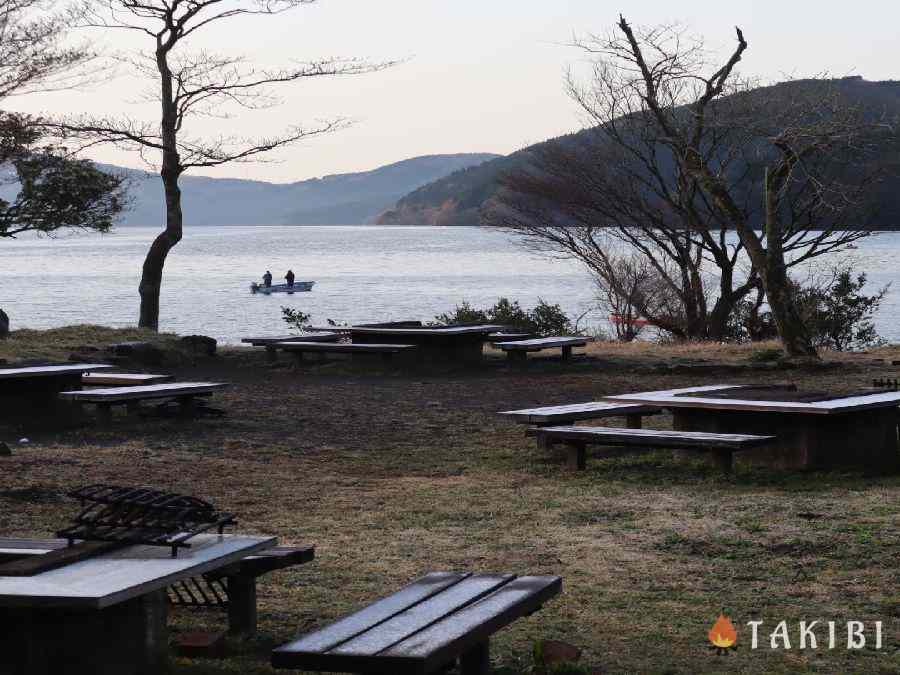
818	634
722	634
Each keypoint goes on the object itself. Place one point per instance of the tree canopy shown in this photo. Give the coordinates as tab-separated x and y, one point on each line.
55	190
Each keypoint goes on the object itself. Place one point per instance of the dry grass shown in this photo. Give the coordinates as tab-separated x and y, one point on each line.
59	343
393	474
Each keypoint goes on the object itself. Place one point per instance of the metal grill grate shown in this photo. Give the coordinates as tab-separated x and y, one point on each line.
129	515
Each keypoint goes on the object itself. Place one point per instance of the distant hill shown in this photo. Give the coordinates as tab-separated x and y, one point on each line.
341	199
457	199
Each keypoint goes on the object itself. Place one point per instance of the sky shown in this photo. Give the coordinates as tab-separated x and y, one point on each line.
476	75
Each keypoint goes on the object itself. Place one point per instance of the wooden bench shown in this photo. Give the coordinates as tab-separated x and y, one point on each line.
271	343
518	350
564	414
238	584
422	628
508	336
576	439
233	586
123	379
184	393
386	351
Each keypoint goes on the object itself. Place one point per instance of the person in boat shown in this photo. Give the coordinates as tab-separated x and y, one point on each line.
267	279
289	277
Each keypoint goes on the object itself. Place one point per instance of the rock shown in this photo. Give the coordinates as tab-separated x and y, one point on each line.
5	450
4	324
550	653
200	344
200	644
139	352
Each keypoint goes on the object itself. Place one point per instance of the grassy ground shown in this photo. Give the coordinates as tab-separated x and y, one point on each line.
392	474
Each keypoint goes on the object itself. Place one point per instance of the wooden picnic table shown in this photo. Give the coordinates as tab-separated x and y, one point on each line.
435	343
33	391
815	430
105	615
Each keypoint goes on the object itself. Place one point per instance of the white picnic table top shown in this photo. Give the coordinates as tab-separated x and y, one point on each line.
49	371
127	573
673	398
429	330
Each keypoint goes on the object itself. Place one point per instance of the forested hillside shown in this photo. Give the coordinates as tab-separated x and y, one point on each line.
457	198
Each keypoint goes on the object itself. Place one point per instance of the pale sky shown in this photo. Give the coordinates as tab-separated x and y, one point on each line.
482	75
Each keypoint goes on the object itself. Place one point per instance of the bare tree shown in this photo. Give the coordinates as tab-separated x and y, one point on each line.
607	190
805	208
626	291
634	177
190	86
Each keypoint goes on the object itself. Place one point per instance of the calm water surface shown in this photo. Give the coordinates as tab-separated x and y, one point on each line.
361	274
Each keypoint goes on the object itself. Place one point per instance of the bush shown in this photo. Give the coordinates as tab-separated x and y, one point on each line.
840	318
837	314
543	319
766	355
295	318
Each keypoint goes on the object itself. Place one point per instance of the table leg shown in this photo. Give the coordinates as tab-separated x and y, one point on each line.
242	612
477	660
187	406
577	455
104	414
130	638
724	459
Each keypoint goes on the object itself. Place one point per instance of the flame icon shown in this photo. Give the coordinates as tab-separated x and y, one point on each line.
722	634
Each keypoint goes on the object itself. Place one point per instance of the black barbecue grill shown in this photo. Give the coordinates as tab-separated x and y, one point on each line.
133	516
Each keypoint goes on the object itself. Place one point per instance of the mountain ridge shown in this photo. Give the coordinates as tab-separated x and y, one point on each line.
335	199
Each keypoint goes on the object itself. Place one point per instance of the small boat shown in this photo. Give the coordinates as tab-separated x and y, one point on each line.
298	287
634	321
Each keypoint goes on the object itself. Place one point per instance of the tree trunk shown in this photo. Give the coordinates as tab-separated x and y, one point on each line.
151	278
768	262
779	292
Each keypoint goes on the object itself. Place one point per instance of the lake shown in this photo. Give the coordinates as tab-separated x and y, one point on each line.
361	273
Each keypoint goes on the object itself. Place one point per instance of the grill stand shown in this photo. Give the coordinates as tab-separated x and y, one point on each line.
130	638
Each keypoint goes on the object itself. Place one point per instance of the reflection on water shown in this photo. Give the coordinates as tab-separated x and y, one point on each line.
361	274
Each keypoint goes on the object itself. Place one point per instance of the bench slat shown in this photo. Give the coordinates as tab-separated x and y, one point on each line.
123	379
439	643
414	619
346	347
538	344
113	394
318	336
578	411
299	653
652	437
269	560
